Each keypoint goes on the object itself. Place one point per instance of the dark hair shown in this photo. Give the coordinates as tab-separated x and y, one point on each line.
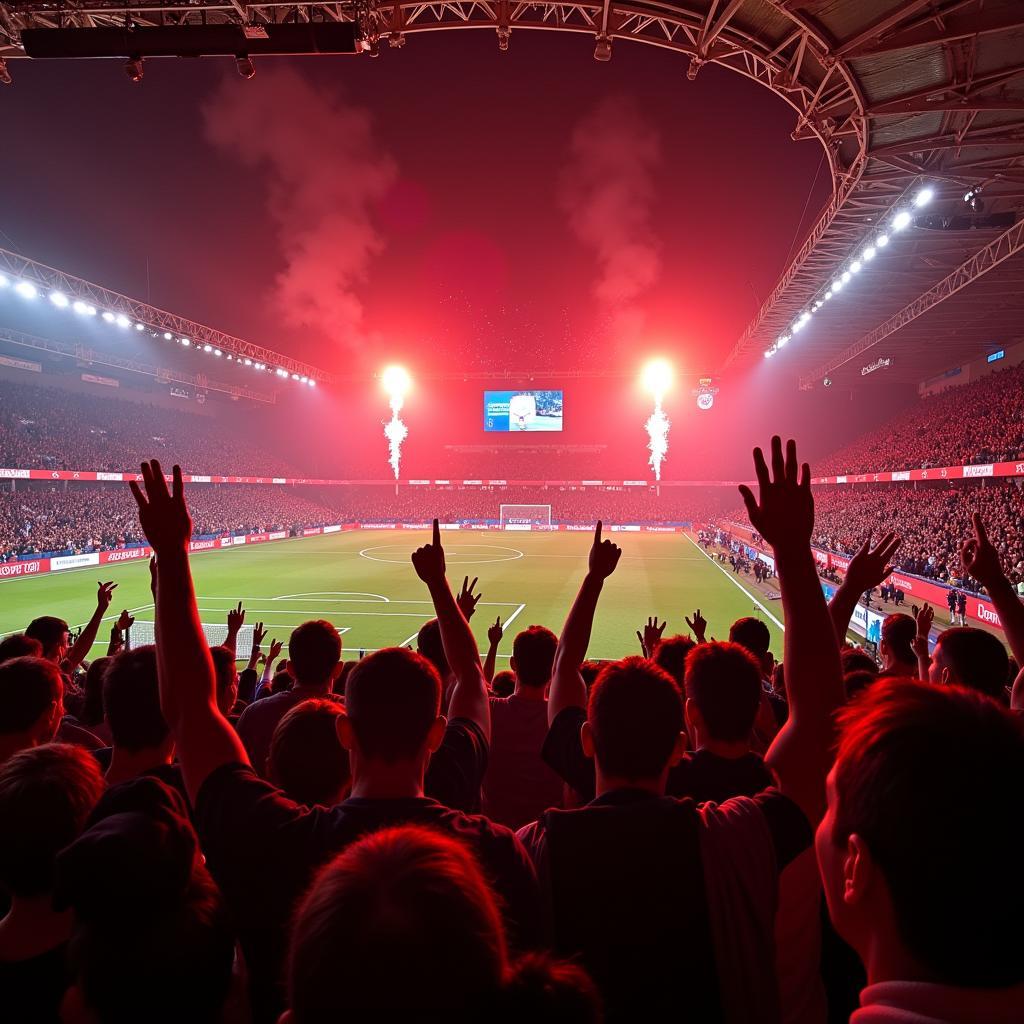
724	681
392	699
978	660
428	643
856	659
48	630
18	645
534	652
91	712
225	669
151	929
857	681
306	758
752	634
942	827
131	700
401	920
898	632
636	715
46	796
671	655
590	670
29	688
504	683
342	677
314	649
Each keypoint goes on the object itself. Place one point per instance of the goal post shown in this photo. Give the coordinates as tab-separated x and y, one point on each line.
524	517
144	632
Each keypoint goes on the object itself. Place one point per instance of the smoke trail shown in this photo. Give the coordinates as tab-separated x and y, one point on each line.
608	191
324	171
396	432
657	430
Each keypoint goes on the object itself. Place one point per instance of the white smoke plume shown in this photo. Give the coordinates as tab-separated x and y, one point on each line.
657	431
396	432
607	191
324	171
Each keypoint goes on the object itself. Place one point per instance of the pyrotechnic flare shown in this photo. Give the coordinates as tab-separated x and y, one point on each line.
657	379
396	384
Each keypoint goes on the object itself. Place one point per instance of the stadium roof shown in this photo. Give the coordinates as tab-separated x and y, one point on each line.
900	93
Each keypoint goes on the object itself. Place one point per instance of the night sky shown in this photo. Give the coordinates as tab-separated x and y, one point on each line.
445	204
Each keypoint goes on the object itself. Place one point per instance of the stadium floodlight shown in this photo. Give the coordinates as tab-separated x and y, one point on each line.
26	289
855	266
396	382
901	220
837	285
846	276
140	327
108	316
924	197
3	281
768	353
248	362
868	254
186	342
882	241
81	308
207	348
123	321
168	335
217	352
657	377
59	299
829	294
781	340
312	383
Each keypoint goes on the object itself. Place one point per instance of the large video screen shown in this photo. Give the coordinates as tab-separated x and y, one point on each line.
515	411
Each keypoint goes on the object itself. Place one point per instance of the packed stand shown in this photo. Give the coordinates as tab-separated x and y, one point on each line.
971	424
80	519
698	831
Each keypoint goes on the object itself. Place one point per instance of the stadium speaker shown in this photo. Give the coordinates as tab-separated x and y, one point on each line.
190	41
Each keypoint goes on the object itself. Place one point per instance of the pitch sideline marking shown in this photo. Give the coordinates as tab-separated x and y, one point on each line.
334	593
516	554
736	583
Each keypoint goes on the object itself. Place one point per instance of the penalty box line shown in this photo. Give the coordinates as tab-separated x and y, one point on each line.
504	625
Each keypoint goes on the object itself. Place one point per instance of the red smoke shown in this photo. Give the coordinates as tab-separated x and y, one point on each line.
324	172
608	190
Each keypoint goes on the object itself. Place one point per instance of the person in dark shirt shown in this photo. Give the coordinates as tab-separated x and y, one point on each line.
46	796
263	848
662	896
31	703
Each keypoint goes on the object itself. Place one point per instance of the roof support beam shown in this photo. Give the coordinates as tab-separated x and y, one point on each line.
1000	249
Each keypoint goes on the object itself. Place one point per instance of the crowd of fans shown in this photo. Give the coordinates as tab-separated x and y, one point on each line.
82	519
974	423
695	832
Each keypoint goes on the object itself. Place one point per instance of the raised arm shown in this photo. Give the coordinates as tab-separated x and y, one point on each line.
470	698
188	698
494	635
801	752
869	568
567	686
79	650
981	560
236	619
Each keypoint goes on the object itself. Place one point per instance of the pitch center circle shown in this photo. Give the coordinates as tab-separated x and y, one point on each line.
467	554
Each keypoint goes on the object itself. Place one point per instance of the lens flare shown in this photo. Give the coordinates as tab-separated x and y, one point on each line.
657	378
396	383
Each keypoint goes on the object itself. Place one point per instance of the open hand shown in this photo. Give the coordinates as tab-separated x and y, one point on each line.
276	646
979	556
495	633
869	567
162	513
428	561
258	633
785	514
698	626
466	600
651	636
604	555
104	595
125	621
924	617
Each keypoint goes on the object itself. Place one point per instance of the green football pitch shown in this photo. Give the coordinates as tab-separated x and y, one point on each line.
364	583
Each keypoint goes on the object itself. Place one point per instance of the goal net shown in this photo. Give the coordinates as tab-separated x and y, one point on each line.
523	517
144	632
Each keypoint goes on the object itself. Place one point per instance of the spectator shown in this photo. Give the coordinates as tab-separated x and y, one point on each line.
31	704
896	645
306	759
46	794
